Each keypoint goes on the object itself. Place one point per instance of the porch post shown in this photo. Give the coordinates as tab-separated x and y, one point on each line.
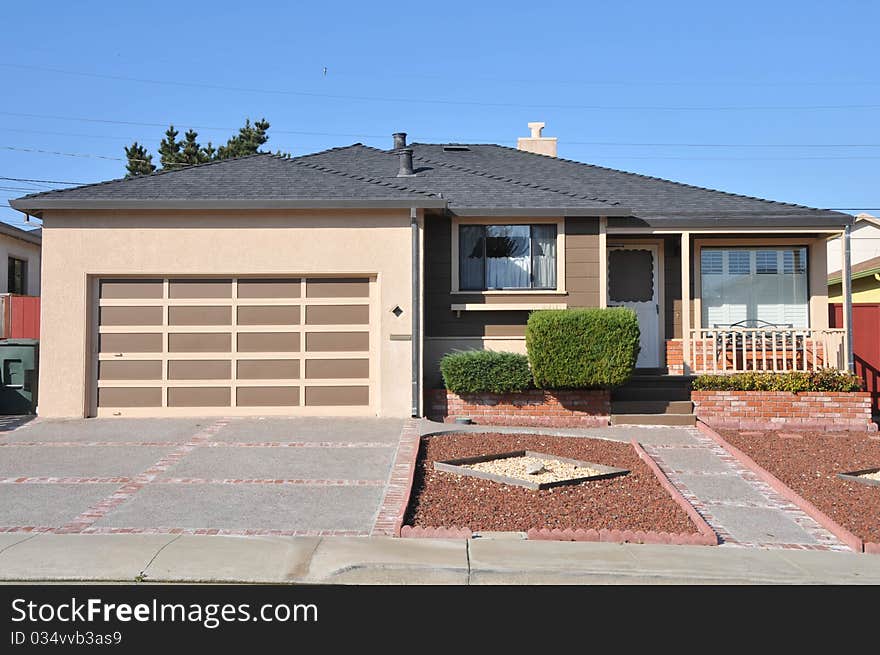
846	287
603	261
686	301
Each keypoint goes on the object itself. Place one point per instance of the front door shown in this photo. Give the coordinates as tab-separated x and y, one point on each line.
633	282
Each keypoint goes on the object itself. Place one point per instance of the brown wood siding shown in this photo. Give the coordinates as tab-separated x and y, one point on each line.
582	284
582	261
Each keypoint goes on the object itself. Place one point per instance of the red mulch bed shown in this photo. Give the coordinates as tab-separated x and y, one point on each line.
810	465
632	502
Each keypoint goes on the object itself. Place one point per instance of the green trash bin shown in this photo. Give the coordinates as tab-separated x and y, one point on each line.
19	363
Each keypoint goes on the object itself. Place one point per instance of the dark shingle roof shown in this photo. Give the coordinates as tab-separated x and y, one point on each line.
467	178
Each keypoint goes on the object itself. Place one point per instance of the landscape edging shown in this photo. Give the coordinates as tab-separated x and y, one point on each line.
844	535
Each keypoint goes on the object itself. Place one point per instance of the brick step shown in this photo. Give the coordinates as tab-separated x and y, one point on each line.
653	419
652	407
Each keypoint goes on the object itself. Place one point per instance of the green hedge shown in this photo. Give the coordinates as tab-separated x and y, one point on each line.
582	348
827	379
477	371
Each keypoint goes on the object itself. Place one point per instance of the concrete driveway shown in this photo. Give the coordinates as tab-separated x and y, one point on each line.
287	476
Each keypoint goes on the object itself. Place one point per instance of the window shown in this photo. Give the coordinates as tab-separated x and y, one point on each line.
506	257
17	280
746	284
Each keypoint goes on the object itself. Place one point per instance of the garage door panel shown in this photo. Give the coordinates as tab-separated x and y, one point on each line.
199	289
268	369
337	368
123	289
337	288
130	397
131	342
199	315
276	342
199	369
337	396
116	316
199	396
338	314
268	396
273	345
270	288
271	315
200	342
130	370
338	342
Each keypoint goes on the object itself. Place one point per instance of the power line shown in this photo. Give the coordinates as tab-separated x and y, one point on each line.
27	179
442	101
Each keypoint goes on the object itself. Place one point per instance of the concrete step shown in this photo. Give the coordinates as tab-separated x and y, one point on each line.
653	419
652	407
669	394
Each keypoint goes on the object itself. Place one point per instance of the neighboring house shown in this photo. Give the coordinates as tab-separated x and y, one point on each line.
333	282
865	257
20	253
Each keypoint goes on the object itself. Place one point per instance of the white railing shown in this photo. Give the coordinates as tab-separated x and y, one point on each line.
736	349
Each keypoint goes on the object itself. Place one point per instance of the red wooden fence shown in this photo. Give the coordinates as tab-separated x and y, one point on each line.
866	343
21	317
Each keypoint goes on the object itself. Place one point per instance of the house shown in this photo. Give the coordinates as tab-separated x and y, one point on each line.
20	249
333	282
865	257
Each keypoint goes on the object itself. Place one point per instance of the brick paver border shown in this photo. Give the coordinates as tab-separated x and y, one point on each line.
786	492
389	518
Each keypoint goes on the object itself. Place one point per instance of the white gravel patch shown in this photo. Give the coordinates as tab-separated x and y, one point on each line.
552	470
871	476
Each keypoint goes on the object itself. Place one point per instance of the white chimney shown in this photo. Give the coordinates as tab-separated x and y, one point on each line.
541	145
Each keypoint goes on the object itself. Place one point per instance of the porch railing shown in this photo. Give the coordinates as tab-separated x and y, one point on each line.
736	349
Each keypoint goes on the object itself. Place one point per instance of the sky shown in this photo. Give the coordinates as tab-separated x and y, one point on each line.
775	99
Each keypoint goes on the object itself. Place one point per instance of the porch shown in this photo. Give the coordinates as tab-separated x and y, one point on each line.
723	301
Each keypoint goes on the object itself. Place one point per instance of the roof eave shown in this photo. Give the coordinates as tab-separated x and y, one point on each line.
36	206
540	211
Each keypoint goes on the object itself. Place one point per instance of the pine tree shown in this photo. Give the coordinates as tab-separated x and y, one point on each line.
247	141
140	162
169	148
192	152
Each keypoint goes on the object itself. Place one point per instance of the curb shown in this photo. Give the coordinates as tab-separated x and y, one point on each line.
707	535
844	535
419	532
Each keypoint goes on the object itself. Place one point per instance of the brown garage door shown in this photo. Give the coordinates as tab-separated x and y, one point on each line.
233	346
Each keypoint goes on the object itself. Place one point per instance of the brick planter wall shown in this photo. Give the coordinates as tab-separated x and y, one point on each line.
762	410
577	408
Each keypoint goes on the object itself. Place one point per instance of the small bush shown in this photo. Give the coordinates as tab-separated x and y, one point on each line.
826	379
582	348
477	371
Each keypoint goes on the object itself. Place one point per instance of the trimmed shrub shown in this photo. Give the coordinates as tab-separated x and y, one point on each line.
478	371
582	348
826	379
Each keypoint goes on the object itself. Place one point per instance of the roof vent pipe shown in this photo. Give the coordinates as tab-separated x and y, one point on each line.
399	140
406	162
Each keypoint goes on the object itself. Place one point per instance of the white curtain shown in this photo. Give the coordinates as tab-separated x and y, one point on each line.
507	257
544	256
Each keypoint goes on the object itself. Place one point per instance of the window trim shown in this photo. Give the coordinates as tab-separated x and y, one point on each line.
457	221
24	276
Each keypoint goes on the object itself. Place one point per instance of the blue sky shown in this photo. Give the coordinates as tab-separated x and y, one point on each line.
611	80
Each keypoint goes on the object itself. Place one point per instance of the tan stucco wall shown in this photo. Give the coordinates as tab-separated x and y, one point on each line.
10	247
79	244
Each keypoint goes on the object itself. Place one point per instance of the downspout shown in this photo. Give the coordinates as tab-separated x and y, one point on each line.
847	297
416	327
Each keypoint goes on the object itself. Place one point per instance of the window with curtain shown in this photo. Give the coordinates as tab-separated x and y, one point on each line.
754	284
506	257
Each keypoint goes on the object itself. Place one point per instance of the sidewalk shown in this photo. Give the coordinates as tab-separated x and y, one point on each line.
362	560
